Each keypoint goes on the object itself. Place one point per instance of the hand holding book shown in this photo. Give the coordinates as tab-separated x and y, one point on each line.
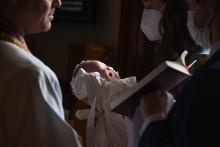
165	76
153	103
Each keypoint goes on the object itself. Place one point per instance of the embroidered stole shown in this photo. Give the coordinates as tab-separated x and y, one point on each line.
9	32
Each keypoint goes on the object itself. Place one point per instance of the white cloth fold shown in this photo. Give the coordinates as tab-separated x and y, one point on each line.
31	112
104	128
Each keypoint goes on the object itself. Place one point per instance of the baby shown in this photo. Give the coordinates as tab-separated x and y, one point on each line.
97	85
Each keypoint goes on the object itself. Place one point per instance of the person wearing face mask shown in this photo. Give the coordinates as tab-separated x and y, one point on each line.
31	110
150	21
164	30
164	36
97	85
193	120
200	35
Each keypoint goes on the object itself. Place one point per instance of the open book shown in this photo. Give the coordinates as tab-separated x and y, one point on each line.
166	75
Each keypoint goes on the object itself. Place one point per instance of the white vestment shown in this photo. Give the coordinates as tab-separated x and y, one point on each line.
104	128
31	112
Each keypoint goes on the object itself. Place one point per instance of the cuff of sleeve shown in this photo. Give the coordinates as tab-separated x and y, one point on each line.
152	118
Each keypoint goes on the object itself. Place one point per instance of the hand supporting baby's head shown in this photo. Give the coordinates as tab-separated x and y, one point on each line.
105	71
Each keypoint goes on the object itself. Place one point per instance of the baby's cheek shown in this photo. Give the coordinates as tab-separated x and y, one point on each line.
105	74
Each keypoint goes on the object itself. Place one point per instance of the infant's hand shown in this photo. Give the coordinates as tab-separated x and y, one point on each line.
155	102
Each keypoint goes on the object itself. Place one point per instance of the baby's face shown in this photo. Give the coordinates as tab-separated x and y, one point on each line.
105	71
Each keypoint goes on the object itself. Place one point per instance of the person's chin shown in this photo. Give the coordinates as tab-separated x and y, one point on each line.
47	27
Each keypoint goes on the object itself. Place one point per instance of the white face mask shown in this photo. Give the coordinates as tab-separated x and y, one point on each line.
150	24
200	35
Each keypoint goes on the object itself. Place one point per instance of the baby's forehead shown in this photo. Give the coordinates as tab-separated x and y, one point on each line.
96	64
93	65
101	64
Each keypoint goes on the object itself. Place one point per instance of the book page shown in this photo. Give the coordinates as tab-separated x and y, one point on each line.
166	76
182	58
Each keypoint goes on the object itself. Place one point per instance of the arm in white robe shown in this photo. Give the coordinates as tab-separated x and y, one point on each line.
32	112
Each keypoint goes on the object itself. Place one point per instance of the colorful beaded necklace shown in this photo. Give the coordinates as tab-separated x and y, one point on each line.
9	32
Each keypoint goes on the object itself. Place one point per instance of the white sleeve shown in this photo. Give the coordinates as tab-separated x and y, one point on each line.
134	130
33	113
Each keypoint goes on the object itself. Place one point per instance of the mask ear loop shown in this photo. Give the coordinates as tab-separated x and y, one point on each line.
210	16
160	27
209	19
162	8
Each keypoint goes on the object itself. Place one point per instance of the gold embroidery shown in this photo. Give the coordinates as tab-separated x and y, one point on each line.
20	43
9	32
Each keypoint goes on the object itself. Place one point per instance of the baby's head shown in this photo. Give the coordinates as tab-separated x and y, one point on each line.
105	71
